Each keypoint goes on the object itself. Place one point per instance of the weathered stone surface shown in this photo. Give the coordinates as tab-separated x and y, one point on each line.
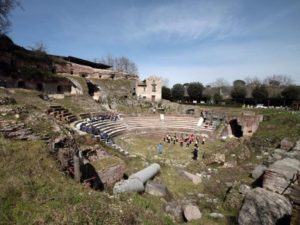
156	189
217	158
277	177
194	178
174	209
287	144
191	212
216	215
263	207
297	146
288	167
112	174
244	189
258	171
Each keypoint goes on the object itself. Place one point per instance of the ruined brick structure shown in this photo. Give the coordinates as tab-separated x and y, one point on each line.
91	70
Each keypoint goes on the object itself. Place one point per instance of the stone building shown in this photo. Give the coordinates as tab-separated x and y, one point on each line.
149	89
91	70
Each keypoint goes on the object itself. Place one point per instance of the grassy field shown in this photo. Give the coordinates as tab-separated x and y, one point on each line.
33	190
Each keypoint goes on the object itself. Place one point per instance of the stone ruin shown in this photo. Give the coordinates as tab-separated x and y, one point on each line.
276	198
244	125
61	114
88	160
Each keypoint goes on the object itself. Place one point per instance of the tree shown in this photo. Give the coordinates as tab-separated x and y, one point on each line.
238	93
5	8
217	98
260	93
252	81
177	92
120	64
39	47
278	80
239	83
166	93
220	82
291	92
195	90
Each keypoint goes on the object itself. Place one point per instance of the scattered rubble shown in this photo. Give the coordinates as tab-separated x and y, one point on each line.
156	189
194	178
191	212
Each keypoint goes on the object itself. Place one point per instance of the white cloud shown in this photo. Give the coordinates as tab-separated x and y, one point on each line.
180	20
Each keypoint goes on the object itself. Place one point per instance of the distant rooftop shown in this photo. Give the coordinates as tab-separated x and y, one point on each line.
86	62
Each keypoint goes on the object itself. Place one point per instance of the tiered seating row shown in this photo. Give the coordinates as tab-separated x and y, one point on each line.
61	114
103	129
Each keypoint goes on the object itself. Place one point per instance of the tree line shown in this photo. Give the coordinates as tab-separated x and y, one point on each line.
250	91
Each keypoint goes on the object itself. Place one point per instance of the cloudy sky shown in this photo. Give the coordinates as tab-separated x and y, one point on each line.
179	40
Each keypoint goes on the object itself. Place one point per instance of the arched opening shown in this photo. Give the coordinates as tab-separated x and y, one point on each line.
53	69
71	72
90	176
236	129
59	89
92	88
112	76
40	87
21	84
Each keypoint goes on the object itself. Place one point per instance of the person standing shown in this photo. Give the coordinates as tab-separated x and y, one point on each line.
160	148
195	153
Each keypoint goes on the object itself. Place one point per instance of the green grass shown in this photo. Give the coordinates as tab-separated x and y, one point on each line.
280	125
34	191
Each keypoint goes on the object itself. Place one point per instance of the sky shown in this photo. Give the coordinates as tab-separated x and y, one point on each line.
179	40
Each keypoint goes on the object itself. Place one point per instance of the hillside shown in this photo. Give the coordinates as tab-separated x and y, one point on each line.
34	189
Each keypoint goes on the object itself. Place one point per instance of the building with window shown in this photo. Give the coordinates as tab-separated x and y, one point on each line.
149	89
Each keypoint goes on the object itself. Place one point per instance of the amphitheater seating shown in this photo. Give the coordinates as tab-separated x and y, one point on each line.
106	127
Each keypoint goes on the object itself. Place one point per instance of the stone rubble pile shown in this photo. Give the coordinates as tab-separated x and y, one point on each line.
277	201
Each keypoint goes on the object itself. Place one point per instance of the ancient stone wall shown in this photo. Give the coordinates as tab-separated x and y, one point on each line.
92	73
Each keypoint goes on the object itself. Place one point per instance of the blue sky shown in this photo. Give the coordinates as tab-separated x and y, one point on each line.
178	40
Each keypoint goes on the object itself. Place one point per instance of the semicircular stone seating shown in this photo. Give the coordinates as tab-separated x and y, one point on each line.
106	127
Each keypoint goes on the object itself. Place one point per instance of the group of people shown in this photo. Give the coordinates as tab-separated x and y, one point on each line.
184	139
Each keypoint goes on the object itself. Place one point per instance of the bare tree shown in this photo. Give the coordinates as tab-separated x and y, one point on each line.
278	80
39	47
220	82
120	64
252	81
5	8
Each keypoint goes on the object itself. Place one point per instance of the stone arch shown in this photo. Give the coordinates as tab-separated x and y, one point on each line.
59	89
236	129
